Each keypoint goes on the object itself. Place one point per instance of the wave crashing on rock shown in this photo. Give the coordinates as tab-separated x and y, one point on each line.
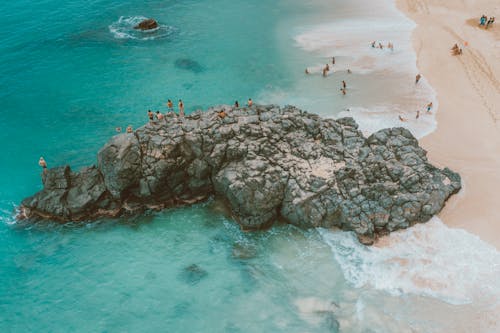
124	28
266	163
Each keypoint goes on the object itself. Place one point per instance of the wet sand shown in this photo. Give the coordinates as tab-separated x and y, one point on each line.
467	138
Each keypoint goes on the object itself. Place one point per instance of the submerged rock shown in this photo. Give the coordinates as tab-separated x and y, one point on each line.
147	24
266	163
192	274
188	64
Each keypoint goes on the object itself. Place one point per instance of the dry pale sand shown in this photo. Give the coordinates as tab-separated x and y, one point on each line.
468	87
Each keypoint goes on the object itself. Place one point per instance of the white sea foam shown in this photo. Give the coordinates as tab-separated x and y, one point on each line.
124	29
428	259
382	87
350	41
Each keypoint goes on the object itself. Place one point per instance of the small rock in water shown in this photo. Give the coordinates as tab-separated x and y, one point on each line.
192	274
188	64
147	24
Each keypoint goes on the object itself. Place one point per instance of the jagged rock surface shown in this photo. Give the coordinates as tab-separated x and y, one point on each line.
266	162
147	24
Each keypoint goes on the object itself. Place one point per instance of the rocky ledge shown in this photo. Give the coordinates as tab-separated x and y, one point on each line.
266	162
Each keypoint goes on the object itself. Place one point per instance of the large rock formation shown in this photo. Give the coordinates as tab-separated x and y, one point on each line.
266	162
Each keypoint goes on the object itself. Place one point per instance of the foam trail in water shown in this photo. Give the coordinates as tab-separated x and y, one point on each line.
428	259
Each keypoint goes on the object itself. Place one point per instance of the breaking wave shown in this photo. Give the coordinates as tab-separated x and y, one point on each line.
428	259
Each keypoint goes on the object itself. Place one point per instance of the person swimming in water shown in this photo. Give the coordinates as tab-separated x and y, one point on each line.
118	129
306	71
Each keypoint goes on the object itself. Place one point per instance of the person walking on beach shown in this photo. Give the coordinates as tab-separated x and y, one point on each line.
250	102
390	46
373	44
483	19
170	105
490	22
43	164
344	91
418	114
333	60
417	78
401	118
429	107
181	108
380	46
344	85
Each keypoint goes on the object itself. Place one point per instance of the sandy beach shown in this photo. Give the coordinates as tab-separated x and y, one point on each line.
467	139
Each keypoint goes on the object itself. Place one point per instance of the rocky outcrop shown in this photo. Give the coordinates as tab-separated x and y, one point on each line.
147	24
266	163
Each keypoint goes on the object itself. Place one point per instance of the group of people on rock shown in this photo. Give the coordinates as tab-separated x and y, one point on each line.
152	116
485	22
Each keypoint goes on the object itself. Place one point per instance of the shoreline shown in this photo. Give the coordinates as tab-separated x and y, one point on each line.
467	138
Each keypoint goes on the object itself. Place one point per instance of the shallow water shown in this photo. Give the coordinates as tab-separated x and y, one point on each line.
74	70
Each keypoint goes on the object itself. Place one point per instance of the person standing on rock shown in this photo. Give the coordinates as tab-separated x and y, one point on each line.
159	115
150	115
236	104
129	129
181	108
43	164
250	102
170	105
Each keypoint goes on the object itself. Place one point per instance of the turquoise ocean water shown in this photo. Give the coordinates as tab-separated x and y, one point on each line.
71	71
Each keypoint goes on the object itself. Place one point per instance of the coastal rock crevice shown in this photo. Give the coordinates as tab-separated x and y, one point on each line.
266	162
